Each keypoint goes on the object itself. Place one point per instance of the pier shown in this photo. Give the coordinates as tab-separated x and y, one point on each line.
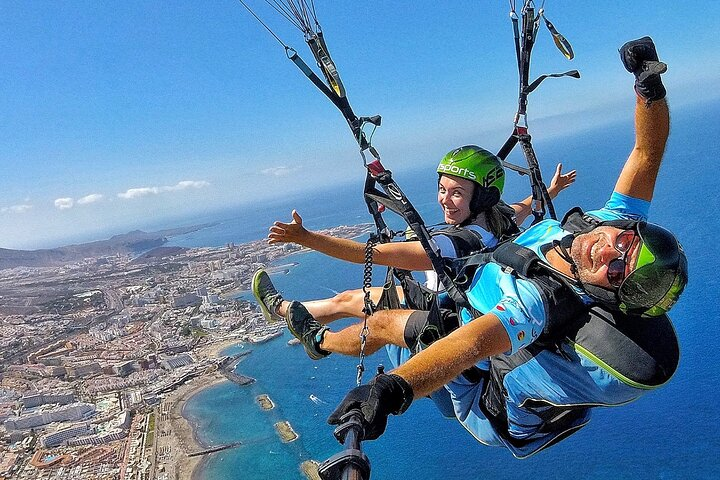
227	367
218	448
238	378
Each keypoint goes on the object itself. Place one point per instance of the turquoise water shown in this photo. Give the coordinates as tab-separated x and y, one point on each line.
667	434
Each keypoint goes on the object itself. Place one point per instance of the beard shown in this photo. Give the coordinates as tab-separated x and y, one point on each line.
583	263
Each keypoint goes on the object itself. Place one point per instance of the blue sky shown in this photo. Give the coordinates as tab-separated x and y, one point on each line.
117	115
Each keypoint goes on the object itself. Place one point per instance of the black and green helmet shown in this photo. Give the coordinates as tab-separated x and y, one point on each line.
659	276
480	166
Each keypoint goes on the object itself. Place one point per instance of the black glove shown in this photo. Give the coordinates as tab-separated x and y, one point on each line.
385	394
641	59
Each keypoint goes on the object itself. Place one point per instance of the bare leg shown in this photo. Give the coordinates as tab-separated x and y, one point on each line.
384	327
349	303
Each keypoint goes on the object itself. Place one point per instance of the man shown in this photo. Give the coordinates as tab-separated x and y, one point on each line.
509	387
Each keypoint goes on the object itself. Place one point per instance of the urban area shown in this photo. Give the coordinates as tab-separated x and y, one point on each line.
98	356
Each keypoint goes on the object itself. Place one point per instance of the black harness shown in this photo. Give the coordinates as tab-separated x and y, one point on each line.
562	302
465	241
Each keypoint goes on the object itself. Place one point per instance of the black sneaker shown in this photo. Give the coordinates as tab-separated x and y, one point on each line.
305	328
267	297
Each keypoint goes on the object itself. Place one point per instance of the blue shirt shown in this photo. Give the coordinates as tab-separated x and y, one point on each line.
546	378
517	302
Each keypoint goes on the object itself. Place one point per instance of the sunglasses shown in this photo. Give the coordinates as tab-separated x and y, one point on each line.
616	267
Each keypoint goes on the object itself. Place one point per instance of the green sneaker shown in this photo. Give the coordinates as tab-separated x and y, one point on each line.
267	297
305	328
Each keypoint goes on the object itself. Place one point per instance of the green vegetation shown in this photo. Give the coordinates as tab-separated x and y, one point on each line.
150	438
198	332
72	302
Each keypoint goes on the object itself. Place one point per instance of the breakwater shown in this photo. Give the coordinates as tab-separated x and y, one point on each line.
218	448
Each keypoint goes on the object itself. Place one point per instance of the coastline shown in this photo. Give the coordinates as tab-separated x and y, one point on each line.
183	431
182	438
215	349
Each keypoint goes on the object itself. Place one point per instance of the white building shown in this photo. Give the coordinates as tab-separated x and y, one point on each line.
65	413
65	435
29	401
208	323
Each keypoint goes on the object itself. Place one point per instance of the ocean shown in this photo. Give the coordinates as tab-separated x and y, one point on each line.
667	434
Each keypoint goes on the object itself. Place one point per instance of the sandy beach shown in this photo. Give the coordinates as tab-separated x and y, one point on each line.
176	437
213	350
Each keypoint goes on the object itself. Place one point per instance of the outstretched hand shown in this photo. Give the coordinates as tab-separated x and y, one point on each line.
292	232
561	181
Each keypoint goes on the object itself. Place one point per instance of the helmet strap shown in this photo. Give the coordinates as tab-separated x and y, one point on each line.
562	247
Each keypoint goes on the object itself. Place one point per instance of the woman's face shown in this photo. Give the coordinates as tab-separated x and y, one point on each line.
454	195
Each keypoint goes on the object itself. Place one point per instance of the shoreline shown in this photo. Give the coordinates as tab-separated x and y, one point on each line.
215	349
183	431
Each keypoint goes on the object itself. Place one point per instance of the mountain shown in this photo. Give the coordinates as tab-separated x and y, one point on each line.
131	243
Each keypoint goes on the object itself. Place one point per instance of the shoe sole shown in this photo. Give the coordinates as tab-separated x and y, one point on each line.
289	323
310	353
254	286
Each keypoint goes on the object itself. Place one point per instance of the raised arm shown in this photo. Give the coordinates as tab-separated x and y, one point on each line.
559	182
652	126
406	255
652	120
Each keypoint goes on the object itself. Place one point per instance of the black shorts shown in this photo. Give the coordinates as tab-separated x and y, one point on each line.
426	326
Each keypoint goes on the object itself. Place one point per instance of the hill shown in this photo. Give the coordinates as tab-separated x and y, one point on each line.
131	243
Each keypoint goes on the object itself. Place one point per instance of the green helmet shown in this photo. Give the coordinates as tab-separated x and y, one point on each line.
660	274
479	166
475	164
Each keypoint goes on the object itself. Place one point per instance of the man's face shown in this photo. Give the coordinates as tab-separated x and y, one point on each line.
592	252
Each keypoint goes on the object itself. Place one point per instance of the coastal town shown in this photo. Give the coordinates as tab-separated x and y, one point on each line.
99	355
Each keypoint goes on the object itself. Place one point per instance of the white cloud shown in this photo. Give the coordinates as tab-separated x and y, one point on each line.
138	192
16	208
145	191
189	184
64	203
92	198
279	171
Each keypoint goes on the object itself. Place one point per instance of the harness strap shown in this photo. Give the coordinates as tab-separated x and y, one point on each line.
395	200
465	240
576	222
508	254
561	301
